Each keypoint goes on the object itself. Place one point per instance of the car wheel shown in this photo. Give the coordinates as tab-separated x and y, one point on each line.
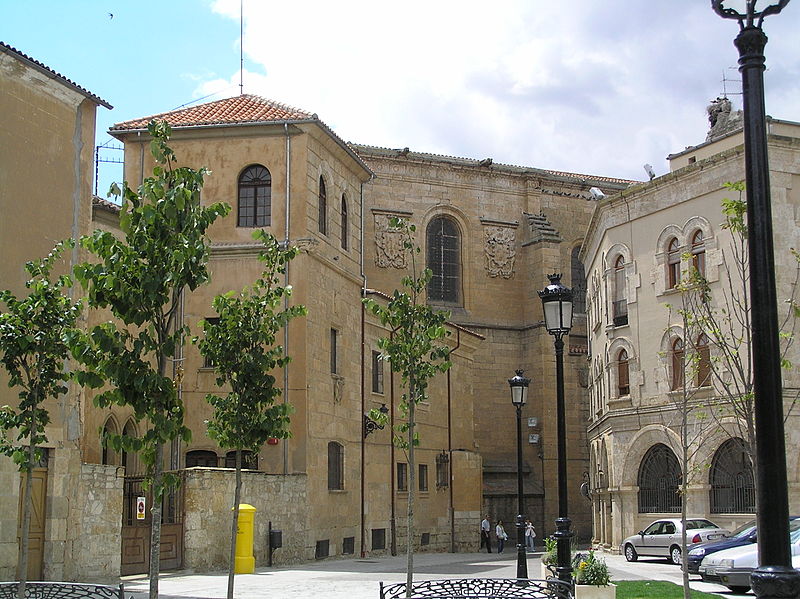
739	589
675	555
630	553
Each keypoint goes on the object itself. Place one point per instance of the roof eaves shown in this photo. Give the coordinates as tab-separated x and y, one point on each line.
45	70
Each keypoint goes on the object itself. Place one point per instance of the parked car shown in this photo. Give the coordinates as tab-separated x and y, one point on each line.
744	535
732	567
663	538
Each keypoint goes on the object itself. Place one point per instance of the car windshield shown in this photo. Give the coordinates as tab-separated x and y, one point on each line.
744	530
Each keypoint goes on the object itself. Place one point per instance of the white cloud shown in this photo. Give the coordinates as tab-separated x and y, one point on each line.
584	86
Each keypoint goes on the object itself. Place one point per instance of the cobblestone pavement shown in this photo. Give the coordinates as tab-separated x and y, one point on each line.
359	578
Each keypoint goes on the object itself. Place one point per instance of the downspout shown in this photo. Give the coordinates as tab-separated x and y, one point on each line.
363	382
450	450
392	518
286	283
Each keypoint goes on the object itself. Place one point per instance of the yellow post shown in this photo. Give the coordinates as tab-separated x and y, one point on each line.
245	563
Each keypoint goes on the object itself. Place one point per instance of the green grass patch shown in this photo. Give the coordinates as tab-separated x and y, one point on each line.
655	589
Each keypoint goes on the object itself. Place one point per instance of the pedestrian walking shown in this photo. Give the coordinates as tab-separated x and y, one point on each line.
486	539
501	535
530	535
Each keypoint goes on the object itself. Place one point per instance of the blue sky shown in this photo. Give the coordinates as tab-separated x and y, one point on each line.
599	88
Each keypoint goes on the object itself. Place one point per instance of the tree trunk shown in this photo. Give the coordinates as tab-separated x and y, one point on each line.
684	488
26	518
155	523
412	404
237	492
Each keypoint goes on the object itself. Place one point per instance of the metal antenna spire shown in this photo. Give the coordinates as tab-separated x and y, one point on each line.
241	47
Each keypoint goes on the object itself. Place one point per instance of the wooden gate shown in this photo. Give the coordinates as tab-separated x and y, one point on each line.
136	532
38	511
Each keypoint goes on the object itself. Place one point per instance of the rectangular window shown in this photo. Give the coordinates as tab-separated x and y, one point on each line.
208	362
322	549
442	470
423	477
425	539
348	546
377	372
334	350
402	476
378	538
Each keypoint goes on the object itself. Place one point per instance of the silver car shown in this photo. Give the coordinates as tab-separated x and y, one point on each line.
663	538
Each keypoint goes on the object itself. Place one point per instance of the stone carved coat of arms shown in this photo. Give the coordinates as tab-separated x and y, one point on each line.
389	251
500	251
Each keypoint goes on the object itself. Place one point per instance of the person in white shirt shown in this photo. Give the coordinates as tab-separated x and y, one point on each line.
501	535
530	535
486	539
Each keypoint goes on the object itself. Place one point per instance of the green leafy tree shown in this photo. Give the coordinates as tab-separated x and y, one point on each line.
141	279
414	349
33	350
241	344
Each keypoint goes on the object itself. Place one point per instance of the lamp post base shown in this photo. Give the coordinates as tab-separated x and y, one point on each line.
775	582
522	556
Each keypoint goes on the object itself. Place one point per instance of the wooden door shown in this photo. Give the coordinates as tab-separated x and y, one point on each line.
38	511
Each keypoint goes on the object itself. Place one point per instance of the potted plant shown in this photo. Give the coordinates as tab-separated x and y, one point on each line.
592	580
549	558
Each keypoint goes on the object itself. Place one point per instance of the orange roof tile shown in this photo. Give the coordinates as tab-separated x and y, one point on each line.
236	110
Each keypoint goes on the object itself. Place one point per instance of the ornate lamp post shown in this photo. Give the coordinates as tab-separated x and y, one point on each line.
775	577
557	304
519	395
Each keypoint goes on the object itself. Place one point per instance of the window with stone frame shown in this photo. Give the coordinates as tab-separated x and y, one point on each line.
207	361
442	470
345	224
699	253
731	479
255	197
659	481
322	218
620	303
201	457
623	374
422	481
402	476
703	361
335	466
334	350
377	372
673	263
444	260
677	363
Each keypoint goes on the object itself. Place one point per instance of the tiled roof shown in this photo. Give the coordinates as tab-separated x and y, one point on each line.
5	48
98	202
236	110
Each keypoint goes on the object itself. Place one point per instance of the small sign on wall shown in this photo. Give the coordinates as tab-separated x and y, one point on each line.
533	438
533	422
140	503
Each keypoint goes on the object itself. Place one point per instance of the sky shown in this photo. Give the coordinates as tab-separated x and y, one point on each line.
595	87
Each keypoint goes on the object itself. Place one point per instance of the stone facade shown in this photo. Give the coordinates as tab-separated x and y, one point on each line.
628	265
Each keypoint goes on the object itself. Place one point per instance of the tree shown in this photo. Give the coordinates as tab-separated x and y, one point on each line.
241	346
141	279
413	350
33	350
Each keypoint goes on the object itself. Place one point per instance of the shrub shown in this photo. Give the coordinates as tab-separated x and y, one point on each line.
590	570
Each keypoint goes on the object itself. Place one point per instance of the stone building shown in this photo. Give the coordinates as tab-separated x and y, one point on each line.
645	360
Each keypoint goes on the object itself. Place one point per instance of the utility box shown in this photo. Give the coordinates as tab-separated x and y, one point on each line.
276	539
245	562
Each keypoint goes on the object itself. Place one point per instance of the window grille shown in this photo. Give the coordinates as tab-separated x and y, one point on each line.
255	197
659	481
335	466
402	476
442	470
731	477
444	260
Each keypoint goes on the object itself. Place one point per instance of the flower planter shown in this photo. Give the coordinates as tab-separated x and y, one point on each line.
588	591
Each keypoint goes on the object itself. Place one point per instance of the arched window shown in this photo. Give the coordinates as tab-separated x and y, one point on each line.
335	466
130	460
345	223
677	373
620	304
699	253
109	456
703	361
659	479
201	457
255	197
673	263
731	478
578	280
623	374
323	207
249	460
444	260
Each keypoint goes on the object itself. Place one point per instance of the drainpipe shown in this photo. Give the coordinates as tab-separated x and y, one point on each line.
363	381
392	522
286	283
450	451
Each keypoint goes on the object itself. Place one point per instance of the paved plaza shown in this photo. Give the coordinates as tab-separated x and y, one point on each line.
359	578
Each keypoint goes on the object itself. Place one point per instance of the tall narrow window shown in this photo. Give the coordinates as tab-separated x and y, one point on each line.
108	454
255	197
444	260
659	477
334	352
623	374
323	208
699	253
335	466
732	483
423	477
402	476
578	280
377	372
703	361
208	362
442	470
130	460
345	224
673	263
620	307
677	355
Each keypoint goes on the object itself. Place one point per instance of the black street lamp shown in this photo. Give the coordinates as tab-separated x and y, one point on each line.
519	395
775	576
557	305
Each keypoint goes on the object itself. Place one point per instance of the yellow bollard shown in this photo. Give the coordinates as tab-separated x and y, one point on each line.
245	563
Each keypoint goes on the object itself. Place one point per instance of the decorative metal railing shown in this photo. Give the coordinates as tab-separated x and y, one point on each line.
480	588
62	590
